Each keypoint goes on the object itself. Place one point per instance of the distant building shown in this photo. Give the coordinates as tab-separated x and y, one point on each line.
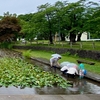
84	37
57	37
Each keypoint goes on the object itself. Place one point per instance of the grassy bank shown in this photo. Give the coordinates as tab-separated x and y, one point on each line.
84	45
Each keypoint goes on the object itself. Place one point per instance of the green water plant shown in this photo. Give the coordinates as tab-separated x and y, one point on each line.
18	72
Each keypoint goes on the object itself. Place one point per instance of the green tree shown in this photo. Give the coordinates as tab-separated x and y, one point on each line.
27	27
64	18
73	19
93	18
58	19
49	12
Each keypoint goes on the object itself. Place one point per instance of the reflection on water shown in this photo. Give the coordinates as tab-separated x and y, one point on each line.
83	86
79	87
16	91
93	88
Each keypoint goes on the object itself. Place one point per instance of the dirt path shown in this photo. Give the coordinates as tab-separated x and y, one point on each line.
9	53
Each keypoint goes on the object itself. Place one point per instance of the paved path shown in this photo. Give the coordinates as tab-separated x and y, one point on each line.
50	97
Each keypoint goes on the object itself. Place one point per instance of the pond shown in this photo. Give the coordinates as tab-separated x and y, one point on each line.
84	86
79	87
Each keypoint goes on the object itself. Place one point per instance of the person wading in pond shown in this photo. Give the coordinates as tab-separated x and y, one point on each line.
54	62
82	71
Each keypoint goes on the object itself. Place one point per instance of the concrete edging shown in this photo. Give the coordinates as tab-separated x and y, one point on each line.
89	75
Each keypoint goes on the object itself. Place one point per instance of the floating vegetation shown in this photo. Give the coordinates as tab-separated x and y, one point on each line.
18	72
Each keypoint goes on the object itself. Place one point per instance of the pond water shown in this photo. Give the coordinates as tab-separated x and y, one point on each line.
84	86
80	87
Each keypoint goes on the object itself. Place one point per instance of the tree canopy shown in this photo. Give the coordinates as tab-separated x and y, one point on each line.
9	28
63	18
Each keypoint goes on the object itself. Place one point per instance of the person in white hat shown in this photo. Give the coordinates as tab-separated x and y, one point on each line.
64	69
54	62
72	72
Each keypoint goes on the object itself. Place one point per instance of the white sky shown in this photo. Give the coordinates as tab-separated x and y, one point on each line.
25	6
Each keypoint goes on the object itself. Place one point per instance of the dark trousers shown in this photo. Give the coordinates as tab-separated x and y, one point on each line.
54	67
71	75
64	72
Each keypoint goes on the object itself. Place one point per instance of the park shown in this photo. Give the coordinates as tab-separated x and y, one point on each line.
28	41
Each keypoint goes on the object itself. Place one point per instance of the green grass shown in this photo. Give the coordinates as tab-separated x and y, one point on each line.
66	57
86	45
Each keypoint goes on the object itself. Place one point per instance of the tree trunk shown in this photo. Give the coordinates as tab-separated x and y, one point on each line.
50	38
72	37
62	37
50	32
79	37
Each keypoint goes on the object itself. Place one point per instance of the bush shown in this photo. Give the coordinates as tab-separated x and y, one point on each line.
6	45
27	53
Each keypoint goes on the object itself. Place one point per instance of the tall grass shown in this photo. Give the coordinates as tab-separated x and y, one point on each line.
27	53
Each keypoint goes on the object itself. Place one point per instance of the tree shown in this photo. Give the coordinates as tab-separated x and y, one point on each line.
93	18
25	22
63	18
73	18
49	12
9	28
58	19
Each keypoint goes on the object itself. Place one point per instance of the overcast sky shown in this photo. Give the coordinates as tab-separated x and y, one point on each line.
25	6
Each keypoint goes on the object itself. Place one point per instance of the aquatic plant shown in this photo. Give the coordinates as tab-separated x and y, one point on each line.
18	72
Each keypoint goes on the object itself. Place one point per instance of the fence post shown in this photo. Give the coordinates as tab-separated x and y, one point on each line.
62	44
81	45
48	43
71	44
36	41
54	43
93	44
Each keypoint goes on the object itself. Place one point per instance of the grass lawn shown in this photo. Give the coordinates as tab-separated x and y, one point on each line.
84	45
44	54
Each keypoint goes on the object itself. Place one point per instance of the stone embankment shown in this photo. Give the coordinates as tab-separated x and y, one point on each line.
95	55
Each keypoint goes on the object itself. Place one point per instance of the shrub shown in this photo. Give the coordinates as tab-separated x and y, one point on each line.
6	45
27	53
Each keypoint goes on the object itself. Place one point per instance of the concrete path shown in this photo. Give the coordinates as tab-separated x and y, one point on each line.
50	97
